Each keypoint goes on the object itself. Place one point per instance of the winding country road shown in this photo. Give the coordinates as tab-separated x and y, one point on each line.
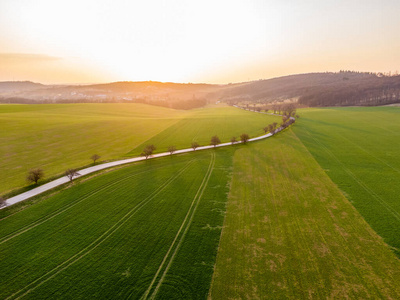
55	183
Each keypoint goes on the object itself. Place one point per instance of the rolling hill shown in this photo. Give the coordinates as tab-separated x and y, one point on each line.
314	89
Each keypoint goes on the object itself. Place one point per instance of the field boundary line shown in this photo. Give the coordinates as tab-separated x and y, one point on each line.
63	209
184	226
102	238
62	180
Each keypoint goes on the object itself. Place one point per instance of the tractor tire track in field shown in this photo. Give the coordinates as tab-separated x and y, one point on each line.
367	152
390	209
65	208
101	239
184	227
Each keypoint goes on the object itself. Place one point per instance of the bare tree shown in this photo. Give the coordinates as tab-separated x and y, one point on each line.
266	129
274	124
233	140
244	137
34	175
171	149
148	150
2	202
71	173
215	140
270	127
195	145
95	157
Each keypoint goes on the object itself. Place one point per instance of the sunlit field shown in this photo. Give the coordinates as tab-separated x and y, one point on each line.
57	137
202	124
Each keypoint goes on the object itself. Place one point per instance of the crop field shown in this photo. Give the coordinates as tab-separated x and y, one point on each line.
289	233
359	148
256	221
57	137
202	124
150	230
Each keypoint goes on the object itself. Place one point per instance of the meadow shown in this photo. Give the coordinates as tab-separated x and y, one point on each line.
289	233
150	230
61	136
359	148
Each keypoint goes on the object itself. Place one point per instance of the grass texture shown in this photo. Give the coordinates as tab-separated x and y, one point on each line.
359	148
61	136
146	231
289	233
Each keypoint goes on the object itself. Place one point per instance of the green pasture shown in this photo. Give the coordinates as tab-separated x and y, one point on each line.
150	230
61	136
359	148
289	233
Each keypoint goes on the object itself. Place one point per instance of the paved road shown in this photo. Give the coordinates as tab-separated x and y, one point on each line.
52	184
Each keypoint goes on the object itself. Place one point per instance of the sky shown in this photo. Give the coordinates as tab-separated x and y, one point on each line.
211	41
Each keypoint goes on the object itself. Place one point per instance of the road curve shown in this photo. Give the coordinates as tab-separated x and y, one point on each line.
62	180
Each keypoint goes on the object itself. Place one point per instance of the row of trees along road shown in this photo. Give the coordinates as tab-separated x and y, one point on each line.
36	174
215	140
289	110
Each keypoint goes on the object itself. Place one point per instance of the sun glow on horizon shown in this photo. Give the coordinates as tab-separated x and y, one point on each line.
196	41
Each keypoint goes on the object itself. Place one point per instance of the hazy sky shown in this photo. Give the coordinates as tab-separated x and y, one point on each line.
216	41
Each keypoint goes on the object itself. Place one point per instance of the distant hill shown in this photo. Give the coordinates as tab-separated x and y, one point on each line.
293	85
17	86
368	91
313	89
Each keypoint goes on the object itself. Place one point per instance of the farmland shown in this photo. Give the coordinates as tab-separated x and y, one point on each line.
262	220
145	230
289	233
57	137
359	148
202	124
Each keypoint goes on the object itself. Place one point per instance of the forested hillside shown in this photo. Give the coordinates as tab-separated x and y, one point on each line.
343	88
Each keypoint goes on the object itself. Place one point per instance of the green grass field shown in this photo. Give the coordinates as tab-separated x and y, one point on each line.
359	148
58	137
148	230
153	229
225	122
289	233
